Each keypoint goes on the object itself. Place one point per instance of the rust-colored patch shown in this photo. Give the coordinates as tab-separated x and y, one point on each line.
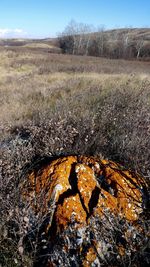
79	187
89	257
86	183
124	195
118	190
70	208
45	186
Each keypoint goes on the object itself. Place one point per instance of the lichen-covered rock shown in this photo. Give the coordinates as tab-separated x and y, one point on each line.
75	189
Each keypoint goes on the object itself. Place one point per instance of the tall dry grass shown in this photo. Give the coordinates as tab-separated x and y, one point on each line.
55	105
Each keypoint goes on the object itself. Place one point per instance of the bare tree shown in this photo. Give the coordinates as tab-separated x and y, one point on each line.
139	45
76	38
84	39
100	41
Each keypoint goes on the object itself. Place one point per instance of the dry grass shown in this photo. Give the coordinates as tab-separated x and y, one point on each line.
110	98
37	83
38	45
59	104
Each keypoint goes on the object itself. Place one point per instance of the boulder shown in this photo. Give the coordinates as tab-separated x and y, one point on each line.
73	196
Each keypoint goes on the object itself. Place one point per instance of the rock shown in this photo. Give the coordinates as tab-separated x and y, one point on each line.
20	249
72	191
90	257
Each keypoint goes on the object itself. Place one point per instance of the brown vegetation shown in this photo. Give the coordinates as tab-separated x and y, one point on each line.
54	105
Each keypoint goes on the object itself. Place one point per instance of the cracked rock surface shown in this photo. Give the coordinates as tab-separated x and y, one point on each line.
67	194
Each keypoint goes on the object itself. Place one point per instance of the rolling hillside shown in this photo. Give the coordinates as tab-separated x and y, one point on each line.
117	43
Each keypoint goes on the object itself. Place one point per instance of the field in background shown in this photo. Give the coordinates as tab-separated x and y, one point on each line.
55	104
110	95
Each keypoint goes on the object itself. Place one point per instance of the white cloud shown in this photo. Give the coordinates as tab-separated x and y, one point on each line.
12	33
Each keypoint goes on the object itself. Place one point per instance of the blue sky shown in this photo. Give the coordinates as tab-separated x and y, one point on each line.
45	18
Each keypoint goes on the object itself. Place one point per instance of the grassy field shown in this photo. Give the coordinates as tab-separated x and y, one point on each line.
54	104
109	100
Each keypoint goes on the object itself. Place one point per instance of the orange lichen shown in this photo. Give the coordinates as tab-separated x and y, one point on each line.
125	197
79	187
86	182
70	208
118	191
89	257
48	183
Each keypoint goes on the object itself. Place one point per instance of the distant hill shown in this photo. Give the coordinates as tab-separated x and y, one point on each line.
117	43
46	45
134	33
